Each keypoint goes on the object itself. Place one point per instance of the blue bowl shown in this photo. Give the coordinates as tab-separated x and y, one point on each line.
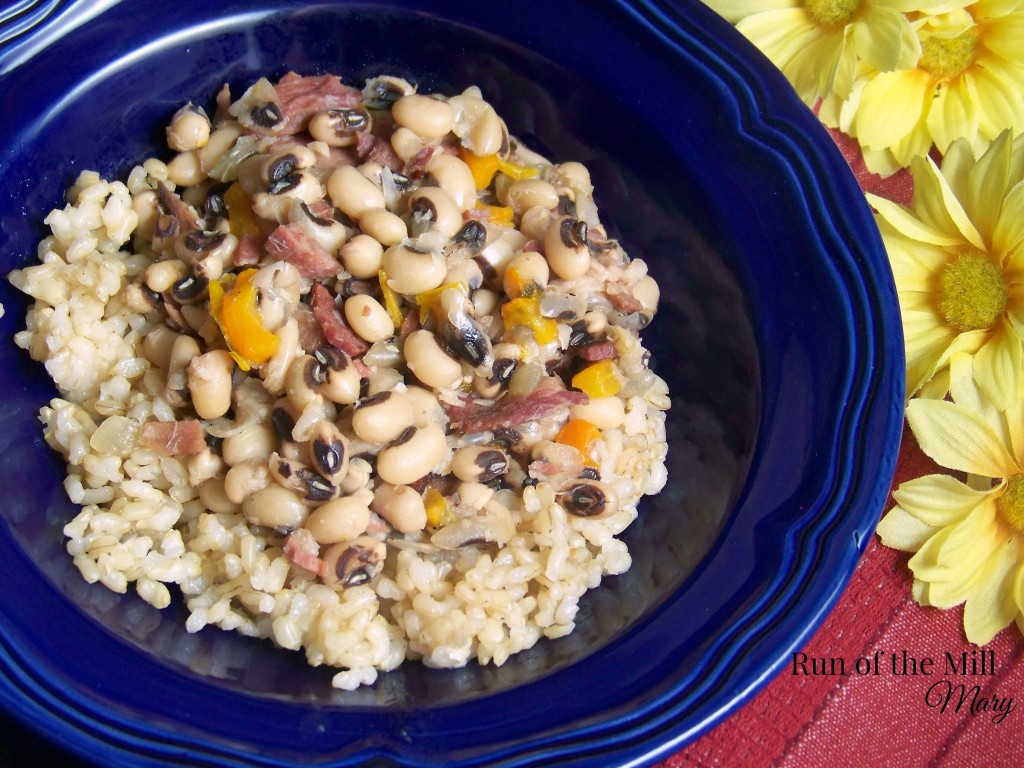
779	336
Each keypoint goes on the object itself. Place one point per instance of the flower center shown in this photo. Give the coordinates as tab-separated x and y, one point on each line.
972	292
947	57
828	13
1011	503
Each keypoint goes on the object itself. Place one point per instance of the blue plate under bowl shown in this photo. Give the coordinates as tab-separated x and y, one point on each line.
778	334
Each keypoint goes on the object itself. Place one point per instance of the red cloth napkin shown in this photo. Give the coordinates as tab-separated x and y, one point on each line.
818	720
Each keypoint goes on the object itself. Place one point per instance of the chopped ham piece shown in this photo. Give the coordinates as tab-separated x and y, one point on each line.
418	164
599	350
374	149
511	410
301	548
311	335
174	438
249	251
335	328
291	244
622	299
299	98
322	209
176	207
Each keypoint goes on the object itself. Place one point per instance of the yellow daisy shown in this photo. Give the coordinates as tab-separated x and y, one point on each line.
818	43
968	536
968	82
958	265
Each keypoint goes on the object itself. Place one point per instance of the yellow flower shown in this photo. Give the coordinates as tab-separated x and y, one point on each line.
818	43
968	82
968	536
958	265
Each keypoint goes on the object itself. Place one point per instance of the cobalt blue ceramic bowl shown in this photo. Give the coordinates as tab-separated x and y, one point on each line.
779	336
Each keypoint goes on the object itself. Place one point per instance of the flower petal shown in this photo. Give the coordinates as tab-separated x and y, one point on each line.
936	205
734	10
905	222
999	367
991	606
953	112
986	185
938	500
1000	102
891	104
1008	230
957	438
885	40
901	530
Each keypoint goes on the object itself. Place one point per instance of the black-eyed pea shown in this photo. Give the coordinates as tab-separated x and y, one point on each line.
328	232
254	443
368	318
531	193
157	346
454	176
184	169
221	140
328	451
339	127
431	364
479	463
488	133
383	417
338	520
485	302
588	498
183	350
535	221
411	270
646	291
406	143
413	455
275	507
146	208
425	407
204	465
602	412
161	275
189	129
566	249
214	498
357	477
209	382
401	506
526	269
425	116
475	495
385	227
340	380
362	256
308	484
354	562
352	192
574	175
434	208
245	479
303	381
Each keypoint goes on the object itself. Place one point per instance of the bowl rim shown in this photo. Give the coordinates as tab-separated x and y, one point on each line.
753	650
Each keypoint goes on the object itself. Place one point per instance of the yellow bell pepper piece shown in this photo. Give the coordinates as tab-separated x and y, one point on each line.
427	301
581	435
484	167
241	218
498	214
439	512
602	379
249	342
525	311
390	299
